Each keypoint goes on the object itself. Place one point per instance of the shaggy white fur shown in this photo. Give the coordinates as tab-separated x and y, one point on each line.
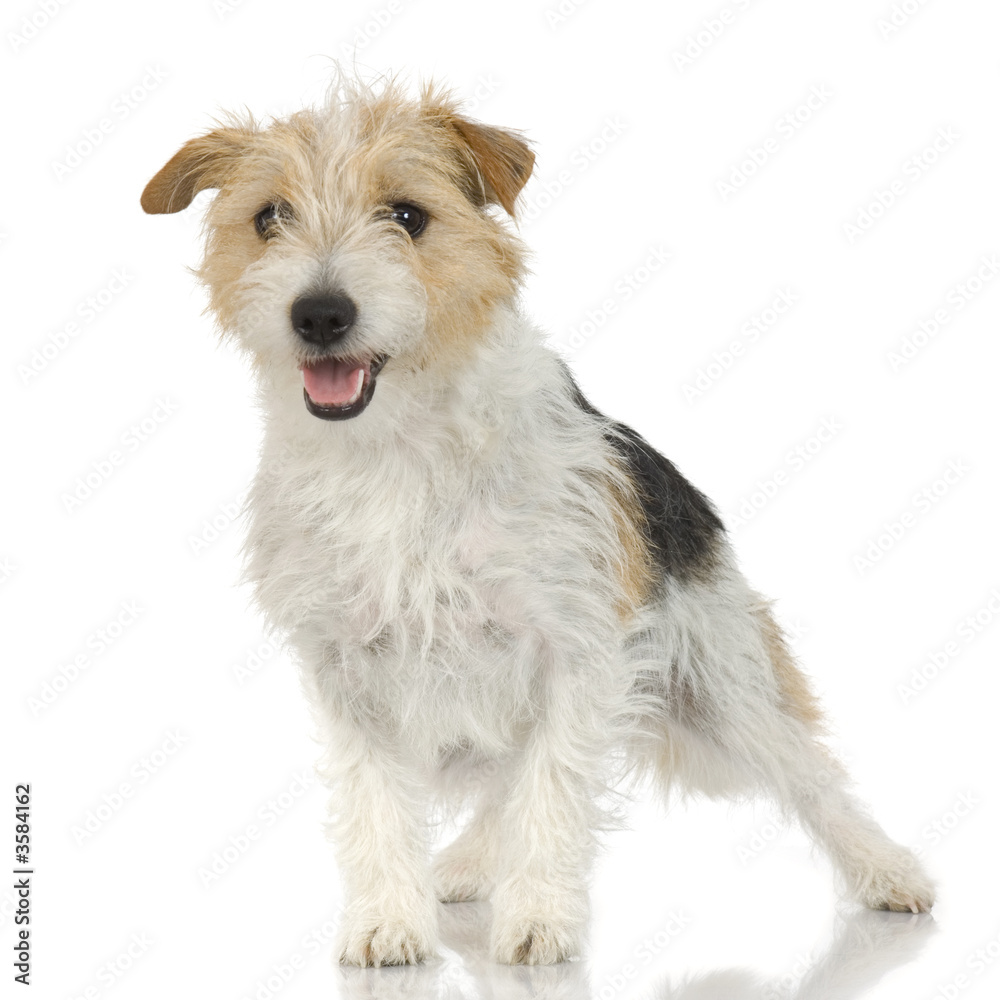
485	580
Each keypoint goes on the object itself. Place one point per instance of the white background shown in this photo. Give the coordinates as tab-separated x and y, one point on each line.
710	901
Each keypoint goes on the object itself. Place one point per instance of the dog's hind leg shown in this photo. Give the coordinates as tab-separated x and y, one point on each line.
877	871
466	868
751	725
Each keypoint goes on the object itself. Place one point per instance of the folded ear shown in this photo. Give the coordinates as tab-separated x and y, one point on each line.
502	160
200	163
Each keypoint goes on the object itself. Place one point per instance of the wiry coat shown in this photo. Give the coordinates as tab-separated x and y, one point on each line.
480	573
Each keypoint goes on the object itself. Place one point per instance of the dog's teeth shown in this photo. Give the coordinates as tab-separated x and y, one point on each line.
358	388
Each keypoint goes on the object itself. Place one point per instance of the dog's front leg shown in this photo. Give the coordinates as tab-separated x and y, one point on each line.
547	832
379	828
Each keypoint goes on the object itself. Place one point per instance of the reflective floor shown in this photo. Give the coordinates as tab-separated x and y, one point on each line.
863	948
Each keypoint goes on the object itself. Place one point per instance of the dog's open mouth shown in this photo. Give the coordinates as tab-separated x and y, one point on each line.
339	388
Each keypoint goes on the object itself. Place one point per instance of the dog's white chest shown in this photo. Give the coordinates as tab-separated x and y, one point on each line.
405	601
393	568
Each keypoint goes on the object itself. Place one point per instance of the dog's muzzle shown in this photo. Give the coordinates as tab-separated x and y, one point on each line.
334	387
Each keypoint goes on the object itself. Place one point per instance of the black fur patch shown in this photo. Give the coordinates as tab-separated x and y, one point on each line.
681	524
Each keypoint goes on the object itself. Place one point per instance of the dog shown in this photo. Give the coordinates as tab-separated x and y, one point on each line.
496	592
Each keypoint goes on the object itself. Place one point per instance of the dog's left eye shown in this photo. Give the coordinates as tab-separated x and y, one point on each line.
265	219
411	218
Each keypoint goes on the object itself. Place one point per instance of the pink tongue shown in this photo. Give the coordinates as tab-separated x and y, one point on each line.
332	383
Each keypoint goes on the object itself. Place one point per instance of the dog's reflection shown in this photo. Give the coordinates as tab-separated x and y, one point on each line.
866	945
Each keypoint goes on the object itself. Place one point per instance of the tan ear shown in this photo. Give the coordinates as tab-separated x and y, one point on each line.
200	163
502	159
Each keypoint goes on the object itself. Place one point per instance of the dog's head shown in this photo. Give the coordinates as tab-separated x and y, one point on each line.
354	239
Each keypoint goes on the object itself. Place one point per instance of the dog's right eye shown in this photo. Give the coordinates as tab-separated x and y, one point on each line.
265	219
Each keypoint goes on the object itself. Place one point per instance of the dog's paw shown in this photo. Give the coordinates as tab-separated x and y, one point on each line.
391	942
460	877
902	886
533	942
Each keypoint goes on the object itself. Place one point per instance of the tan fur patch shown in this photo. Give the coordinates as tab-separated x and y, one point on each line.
502	159
470	263
199	164
635	566
797	697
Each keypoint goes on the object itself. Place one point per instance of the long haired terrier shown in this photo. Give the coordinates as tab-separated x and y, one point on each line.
486	579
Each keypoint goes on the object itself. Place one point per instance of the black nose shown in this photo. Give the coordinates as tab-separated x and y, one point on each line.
323	319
